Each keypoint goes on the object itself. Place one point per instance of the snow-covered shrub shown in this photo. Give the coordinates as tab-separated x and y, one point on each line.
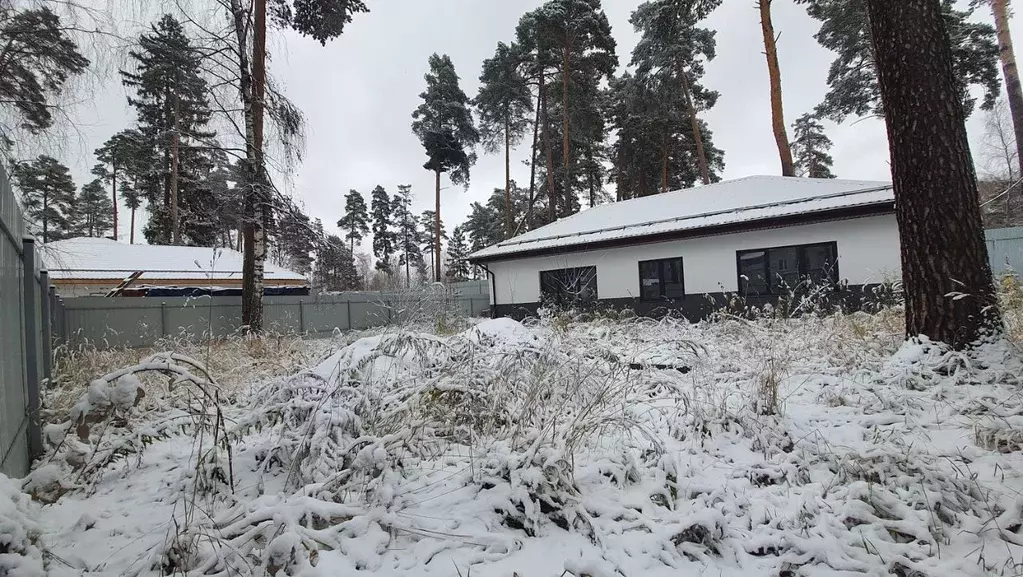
20	552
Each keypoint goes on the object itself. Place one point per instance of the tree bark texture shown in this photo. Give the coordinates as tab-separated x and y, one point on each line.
508	227
532	165
436	233
701	155
251	237
947	280
774	72
175	212
552	196
664	163
566	144
113	182
1000	9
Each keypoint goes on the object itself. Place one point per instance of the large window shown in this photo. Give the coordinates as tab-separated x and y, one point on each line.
569	287
778	270
661	279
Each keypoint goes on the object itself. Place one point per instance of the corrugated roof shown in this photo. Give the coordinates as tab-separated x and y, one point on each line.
746	199
102	258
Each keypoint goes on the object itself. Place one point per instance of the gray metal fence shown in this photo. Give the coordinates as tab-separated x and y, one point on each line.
133	322
25	354
1005	249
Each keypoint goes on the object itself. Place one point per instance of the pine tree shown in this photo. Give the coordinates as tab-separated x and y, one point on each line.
383	235
406	235
295	237
674	47
458	267
1013	90
810	148
38	57
335	267
781	137
355	222
116	154
443	123
946	275
483	227
171	101
505	105
572	37
427	222
47	192
852	79
654	150
93	211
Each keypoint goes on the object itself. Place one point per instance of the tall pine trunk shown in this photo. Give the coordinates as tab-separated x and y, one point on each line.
1000	8
509	227
436	233
532	165
46	216
664	163
566	144
552	197
175	212
113	181
252	273
701	155
131	235
777	114
945	272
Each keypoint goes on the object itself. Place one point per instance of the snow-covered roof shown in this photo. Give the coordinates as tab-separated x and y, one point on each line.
743	200
102	258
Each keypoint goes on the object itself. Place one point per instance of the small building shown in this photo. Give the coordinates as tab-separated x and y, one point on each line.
93	266
691	249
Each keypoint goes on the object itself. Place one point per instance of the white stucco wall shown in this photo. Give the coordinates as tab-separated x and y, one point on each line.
868	251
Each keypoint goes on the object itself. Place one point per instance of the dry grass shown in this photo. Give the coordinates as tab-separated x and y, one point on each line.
235	362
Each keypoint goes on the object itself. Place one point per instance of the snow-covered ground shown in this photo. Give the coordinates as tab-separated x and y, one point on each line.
806	447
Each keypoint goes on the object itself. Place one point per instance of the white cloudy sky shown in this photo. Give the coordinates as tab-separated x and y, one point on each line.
358	93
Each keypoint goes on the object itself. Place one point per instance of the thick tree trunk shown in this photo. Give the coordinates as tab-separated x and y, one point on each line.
436	234
254	249
777	114
175	213
566	144
131	235
701	155
509	227
113	181
946	276
1000	8
552	197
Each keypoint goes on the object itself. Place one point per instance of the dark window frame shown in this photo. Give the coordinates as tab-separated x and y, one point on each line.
800	265
660	275
575	270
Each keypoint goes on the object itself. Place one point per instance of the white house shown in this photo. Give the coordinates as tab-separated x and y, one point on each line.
92	266
751	236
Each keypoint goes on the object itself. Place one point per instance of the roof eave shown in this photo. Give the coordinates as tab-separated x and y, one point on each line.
843	213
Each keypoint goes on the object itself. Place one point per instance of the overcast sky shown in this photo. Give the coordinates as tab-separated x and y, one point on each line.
359	91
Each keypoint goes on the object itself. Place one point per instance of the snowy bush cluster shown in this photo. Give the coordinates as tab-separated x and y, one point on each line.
20	555
811	446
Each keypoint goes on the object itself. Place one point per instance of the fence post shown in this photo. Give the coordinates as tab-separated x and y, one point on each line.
28	260
301	317
47	322
163	319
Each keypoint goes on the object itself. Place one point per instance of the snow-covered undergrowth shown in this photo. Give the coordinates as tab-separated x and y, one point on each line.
610	447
